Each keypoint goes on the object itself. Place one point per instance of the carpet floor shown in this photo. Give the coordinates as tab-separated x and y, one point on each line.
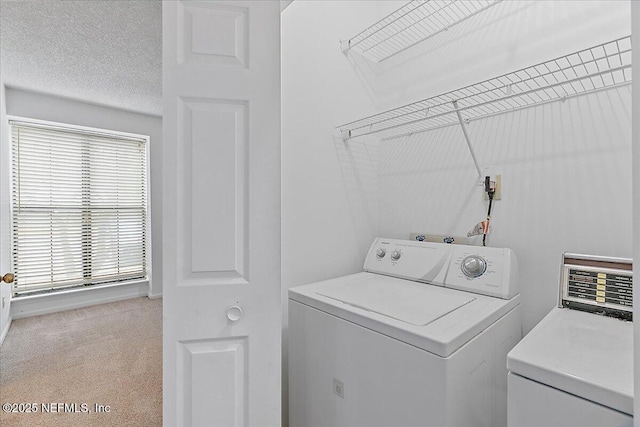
64	364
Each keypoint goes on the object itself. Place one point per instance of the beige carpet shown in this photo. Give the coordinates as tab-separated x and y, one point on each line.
109	354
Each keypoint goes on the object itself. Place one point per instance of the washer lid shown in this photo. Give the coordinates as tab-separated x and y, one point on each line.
433	318
582	353
410	302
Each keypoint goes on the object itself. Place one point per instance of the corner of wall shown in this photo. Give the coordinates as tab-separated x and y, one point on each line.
5	290
152	295
4	332
635	148
5	312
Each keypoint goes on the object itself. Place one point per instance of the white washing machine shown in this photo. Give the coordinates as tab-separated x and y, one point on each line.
575	368
419	338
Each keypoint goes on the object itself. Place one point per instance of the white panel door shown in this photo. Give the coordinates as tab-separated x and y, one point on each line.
221	213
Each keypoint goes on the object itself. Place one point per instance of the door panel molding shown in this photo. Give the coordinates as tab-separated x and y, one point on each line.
214	34
213	149
211	379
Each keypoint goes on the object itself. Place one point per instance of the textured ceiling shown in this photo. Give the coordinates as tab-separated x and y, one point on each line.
107	52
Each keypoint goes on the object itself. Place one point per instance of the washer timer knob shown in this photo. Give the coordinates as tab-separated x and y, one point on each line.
395	255
380	253
473	266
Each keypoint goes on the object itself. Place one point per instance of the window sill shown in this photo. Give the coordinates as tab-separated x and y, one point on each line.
36	305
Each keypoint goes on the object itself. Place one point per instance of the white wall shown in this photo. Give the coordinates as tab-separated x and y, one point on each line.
5	242
43	107
328	217
324	232
557	160
566	166
635	17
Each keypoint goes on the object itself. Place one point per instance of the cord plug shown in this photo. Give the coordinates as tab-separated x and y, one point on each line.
489	187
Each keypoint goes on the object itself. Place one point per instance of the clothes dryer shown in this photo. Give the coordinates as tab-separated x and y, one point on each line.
575	368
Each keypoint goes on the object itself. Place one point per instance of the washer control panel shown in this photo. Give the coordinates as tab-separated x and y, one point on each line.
483	270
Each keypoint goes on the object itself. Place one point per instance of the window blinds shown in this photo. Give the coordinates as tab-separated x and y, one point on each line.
79	208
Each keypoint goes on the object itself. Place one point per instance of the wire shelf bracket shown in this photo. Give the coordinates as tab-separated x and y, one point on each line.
463	126
413	23
601	67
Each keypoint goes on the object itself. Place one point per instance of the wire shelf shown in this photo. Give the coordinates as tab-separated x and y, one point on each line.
600	67
414	22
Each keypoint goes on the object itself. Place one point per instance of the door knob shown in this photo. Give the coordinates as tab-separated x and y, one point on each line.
234	313
8	278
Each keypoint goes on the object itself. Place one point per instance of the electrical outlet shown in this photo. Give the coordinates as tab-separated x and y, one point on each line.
498	193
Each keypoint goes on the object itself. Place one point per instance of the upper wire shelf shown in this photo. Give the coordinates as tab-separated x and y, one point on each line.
414	22
600	67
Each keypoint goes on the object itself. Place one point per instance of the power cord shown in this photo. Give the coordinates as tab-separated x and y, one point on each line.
490	188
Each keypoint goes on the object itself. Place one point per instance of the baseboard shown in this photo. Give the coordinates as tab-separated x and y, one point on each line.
154	296
52	303
5	330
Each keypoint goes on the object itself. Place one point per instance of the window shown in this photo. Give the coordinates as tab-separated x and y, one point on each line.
79	208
